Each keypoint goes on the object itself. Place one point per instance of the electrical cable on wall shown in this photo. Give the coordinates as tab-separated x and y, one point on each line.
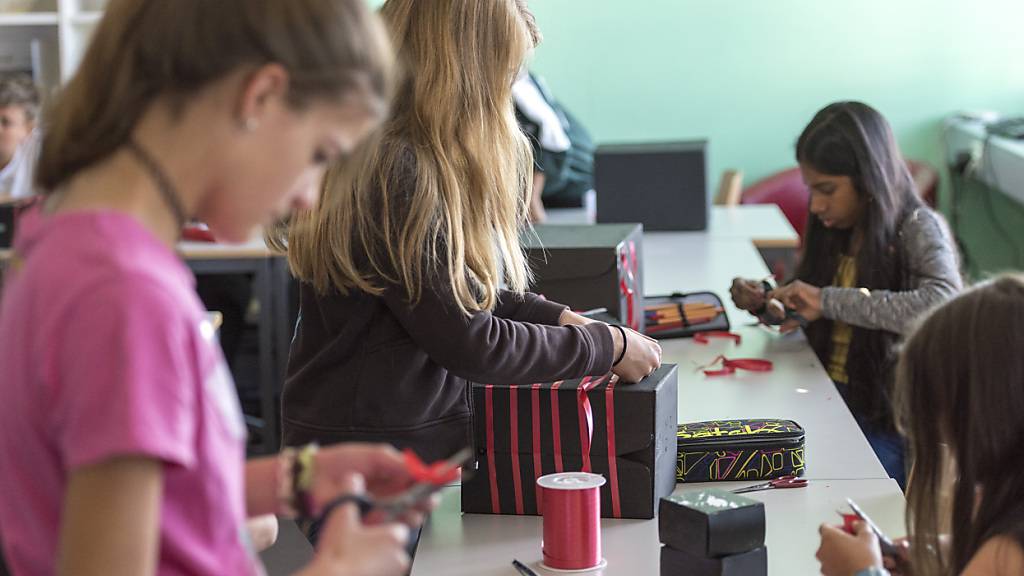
957	172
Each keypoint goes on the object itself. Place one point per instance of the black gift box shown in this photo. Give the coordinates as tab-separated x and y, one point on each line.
517	442
591	266
679	563
741	449
711	523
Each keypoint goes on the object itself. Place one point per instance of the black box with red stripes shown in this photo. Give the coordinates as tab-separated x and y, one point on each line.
590	266
624	432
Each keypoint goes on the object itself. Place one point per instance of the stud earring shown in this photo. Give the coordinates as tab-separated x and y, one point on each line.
250	124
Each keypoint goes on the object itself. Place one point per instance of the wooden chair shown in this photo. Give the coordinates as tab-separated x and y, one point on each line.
730	188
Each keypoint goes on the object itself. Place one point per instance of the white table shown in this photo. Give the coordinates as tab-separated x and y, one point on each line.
797	389
840	462
762	224
454	544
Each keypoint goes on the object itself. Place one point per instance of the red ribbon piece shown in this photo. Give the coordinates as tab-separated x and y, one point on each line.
613	466
627	283
586	417
437	473
705	337
730	366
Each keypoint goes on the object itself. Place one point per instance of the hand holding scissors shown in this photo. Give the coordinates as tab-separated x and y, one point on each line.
784	482
430	479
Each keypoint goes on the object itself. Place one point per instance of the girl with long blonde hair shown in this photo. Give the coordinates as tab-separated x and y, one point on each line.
403	260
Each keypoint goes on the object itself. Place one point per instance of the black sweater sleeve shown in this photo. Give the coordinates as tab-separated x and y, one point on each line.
483	347
528	307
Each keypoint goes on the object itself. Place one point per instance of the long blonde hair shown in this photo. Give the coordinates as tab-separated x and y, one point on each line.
441	192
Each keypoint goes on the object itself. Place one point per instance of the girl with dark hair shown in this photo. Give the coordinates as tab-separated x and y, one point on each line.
874	259
959	401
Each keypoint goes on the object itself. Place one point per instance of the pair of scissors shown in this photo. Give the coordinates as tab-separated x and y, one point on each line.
430	479
780	483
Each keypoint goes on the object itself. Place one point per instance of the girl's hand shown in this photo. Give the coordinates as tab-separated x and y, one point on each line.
643	355
349	548
801	297
898	565
842	554
747	294
262	531
382	467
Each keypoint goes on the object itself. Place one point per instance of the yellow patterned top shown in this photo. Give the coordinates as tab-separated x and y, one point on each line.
846	277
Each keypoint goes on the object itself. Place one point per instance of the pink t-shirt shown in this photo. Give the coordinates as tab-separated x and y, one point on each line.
106	351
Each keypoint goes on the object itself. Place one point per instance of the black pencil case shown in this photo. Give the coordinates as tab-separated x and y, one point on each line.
683	315
741	449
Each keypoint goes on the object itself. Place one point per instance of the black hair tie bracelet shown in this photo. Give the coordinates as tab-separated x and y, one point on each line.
623	353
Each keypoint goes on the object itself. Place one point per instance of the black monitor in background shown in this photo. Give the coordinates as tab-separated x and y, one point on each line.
661	185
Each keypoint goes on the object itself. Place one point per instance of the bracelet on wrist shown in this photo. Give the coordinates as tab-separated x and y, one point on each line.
622	354
285	483
304	473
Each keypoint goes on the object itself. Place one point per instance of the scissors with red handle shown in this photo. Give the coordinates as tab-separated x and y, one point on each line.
784	482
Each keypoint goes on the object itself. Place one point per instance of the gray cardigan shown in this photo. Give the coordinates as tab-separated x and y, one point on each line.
933	269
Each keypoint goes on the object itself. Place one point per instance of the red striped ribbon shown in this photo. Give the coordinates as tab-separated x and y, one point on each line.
586	418
627	282
513	412
491	472
556	426
613	465
586	430
537	464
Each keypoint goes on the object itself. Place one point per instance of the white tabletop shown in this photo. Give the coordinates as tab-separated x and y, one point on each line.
796	389
454	544
693	262
762	224
840	462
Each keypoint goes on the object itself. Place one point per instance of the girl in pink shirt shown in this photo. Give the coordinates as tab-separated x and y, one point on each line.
122	446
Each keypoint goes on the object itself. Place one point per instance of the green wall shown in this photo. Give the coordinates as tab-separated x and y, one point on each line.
749	74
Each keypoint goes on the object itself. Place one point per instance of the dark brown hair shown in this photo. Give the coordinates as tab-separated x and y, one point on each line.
960	401
145	49
854	140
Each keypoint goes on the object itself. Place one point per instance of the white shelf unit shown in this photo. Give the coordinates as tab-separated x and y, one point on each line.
50	35
10	19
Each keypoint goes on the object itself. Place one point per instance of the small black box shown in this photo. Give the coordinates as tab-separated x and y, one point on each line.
711	523
679	563
588	266
523	432
661	185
